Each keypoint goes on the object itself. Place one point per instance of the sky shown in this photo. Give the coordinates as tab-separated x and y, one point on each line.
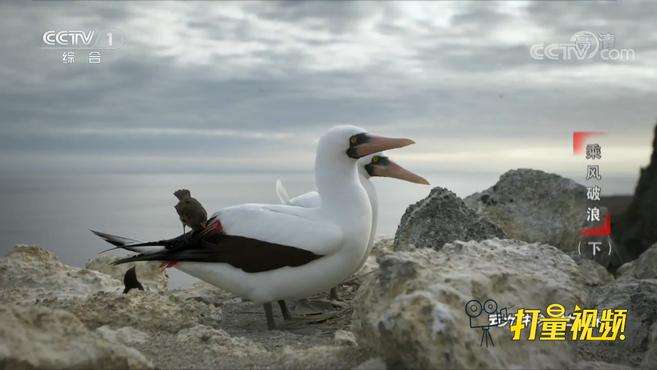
230	87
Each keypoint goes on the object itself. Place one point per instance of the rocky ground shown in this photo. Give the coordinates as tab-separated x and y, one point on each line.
57	316
403	310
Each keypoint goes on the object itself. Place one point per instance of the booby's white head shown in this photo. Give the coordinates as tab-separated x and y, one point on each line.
378	165
337	152
356	143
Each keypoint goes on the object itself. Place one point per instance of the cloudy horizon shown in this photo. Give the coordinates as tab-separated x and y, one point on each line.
249	86
226	97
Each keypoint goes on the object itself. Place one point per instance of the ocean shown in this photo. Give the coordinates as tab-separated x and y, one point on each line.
56	211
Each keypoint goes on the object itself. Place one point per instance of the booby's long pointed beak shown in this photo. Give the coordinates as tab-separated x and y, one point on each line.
376	144
392	169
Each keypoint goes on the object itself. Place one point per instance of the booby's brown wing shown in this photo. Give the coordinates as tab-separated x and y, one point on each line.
249	255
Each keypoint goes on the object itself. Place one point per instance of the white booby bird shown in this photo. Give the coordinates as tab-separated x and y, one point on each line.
373	165
266	252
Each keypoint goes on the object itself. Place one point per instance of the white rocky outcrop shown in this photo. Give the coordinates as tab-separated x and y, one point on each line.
143	310
534	206
30	273
34	337
150	274
411	312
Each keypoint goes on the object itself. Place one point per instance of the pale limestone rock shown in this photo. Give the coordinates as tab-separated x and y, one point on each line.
375	363
411	312
534	206
150	311
125	335
219	342
31	273
33	337
345	338
644	267
149	274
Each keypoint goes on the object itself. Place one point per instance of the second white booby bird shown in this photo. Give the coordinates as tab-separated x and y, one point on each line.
373	165
266	252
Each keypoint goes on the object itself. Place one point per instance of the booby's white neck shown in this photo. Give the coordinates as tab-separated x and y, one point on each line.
374	201
339	187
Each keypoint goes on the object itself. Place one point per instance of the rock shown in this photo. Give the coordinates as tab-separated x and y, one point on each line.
382	246
594	273
411	312
650	357
149	274
599	365
440	218
126	335
535	206
375	363
644	267
34	337
345	338
318	357
150	311
638	228
30	273
639	297
204	292
219	342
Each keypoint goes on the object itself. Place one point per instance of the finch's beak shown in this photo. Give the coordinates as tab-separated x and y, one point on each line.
392	169
375	144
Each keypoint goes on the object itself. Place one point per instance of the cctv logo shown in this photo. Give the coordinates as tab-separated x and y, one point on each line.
68	38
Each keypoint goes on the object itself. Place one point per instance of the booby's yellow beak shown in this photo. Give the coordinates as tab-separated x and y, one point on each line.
388	168
366	144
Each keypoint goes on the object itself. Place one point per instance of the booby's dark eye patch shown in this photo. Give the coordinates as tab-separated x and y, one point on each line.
380	160
354	141
358	139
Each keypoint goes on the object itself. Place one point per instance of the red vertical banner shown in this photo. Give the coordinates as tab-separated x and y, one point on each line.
579	139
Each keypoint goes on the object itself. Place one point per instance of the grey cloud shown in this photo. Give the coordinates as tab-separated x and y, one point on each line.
424	79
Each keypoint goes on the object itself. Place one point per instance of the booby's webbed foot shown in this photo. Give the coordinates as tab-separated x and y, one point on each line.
269	314
284	310
333	294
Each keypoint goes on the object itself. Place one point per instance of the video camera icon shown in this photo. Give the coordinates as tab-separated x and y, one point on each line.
474	309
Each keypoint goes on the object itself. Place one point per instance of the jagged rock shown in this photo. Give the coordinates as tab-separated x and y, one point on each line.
204	292
31	273
638	229
639	297
594	273
440	218
33	337
535	206
599	365
411	312
318	357
644	267
650	357
150	311
382	246
126	335
345	338
219	342
375	363
149	274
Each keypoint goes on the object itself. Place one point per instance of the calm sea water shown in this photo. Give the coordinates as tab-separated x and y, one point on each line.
56	212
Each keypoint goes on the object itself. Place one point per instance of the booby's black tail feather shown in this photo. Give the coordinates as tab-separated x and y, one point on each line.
135	245
115	240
